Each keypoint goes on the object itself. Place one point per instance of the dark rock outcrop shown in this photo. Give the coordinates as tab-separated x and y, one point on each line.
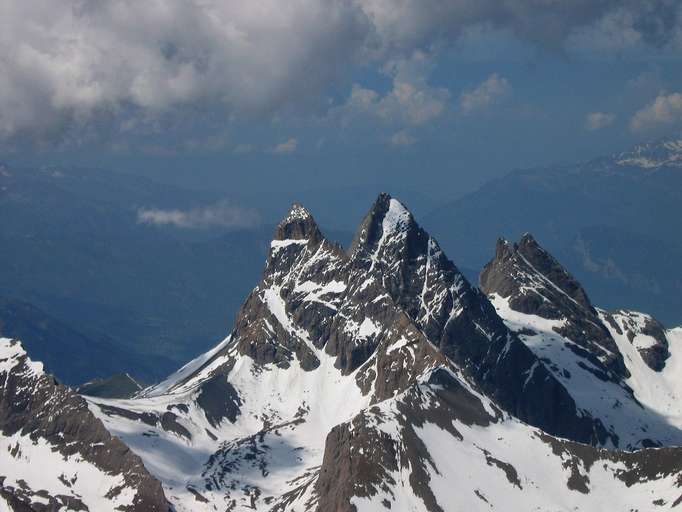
456	317
635	325
36	407
535	283
383	450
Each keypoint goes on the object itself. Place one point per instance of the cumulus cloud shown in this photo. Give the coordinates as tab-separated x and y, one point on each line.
598	120
286	147
485	94
222	214
68	66
65	64
665	110
411	99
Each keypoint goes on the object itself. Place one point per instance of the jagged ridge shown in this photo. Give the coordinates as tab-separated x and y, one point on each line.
328	337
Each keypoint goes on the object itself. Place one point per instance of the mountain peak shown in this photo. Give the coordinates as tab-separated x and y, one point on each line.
386	217
531	281
528	239
297	211
527	256
298	224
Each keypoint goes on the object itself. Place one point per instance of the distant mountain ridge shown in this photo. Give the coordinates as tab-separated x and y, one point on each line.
55	343
653	155
612	220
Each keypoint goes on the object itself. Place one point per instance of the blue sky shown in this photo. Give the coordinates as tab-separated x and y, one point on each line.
264	100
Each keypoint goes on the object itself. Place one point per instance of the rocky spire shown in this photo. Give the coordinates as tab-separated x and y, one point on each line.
535	283
409	264
528	257
393	250
373	228
298	225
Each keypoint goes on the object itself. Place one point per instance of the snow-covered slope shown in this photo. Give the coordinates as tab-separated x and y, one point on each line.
439	447
604	360
653	155
55	455
247	459
658	390
373	377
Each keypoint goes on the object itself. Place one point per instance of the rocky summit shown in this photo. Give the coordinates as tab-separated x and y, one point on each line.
376	378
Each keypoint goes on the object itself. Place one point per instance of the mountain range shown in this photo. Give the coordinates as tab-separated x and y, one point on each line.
141	299
372	378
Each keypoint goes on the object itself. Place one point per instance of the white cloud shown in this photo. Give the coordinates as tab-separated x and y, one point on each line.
79	66
68	64
598	120
402	139
286	147
485	94
222	214
665	110
411	100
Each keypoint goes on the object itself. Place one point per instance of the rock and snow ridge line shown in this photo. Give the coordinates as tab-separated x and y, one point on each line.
653	155
55	454
617	366
326	335
330	339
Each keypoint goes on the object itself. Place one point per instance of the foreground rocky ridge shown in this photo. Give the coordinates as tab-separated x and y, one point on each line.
55	454
439	447
379	378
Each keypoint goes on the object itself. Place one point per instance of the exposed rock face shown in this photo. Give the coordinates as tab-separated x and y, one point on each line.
402	452
536	284
45	425
460	320
218	399
299	255
394	286
394	283
298	225
645	333
552	314
314	296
